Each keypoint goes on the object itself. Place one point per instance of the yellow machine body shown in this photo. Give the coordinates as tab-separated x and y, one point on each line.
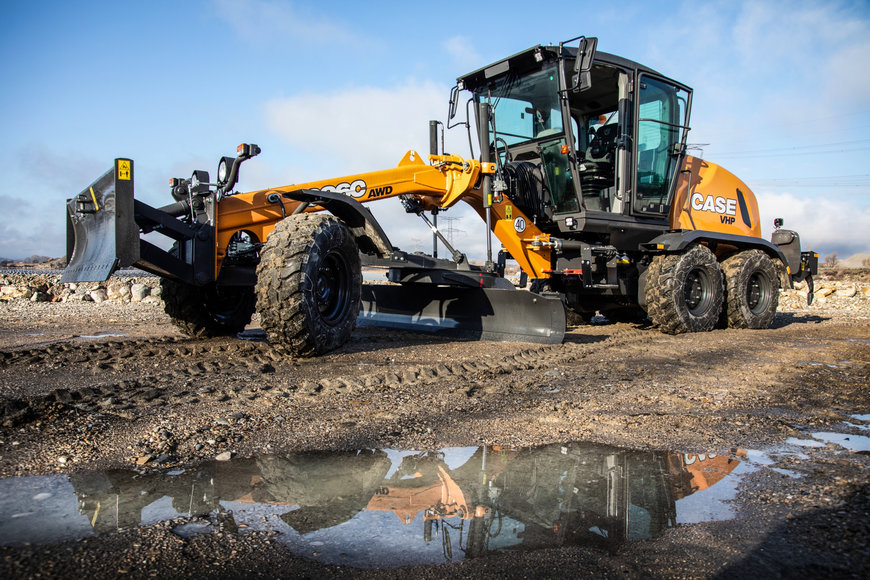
711	198
440	183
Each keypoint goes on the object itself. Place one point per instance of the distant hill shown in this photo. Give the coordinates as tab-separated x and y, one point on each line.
37	262
855	261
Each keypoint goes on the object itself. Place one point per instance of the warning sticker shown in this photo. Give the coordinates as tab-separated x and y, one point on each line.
509	212
124	169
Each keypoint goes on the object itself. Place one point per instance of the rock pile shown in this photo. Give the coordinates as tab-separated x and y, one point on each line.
48	288
827	295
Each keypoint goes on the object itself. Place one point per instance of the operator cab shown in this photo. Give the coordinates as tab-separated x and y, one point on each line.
596	157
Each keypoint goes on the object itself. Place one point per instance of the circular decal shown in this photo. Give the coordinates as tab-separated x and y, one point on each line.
520	225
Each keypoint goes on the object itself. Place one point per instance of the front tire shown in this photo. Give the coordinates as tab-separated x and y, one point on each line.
309	282
752	290
684	291
205	311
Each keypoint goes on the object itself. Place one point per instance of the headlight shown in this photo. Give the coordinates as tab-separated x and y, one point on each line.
223	172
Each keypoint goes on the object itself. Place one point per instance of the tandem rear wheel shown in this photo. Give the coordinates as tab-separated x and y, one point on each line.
684	292
309	282
752	290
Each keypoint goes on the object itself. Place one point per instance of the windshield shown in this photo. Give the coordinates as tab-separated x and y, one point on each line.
526	107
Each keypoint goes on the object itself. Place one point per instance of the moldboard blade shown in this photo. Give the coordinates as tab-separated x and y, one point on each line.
498	314
91	217
102	234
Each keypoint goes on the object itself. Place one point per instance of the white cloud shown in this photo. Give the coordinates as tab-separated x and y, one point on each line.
764	69
369	128
359	129
264	20
845	82
25	231
463	53
66	172
825	225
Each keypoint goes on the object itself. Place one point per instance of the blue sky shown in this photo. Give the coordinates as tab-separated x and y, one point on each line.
782	96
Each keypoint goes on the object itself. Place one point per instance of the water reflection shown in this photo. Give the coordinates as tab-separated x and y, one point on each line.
384	507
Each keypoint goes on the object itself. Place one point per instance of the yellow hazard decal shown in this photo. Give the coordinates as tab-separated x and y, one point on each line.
124	169
509	212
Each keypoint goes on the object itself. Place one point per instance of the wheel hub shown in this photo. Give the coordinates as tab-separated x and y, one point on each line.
695	292
331	288
757	292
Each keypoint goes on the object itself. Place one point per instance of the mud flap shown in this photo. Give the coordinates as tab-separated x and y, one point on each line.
102	234
498	314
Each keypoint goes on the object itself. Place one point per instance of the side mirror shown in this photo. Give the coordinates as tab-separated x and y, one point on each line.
454	95
582	78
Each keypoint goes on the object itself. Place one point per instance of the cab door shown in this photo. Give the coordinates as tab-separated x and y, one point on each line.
662	118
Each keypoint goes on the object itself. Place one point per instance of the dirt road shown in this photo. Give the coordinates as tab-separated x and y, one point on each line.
90	386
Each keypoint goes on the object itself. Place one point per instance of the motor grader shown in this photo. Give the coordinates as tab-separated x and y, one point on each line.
582	174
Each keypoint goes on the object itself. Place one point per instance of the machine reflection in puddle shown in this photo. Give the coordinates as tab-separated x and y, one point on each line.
383	507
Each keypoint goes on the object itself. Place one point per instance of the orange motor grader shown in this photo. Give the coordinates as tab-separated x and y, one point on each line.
582	175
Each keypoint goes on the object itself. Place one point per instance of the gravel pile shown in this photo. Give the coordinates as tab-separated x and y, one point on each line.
828	295
48	288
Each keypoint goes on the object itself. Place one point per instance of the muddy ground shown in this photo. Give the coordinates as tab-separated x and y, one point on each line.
76	398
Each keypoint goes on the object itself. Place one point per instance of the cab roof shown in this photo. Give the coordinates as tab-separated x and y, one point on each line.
531	58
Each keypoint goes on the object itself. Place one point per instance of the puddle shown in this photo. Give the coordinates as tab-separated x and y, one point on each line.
857	443
102	335
790	473
381	508
851	442
804	442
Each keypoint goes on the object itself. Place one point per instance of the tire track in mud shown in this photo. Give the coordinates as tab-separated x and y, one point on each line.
182	372
188	367
528	359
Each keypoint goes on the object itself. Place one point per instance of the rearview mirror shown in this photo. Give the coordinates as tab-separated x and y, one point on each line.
582	78
454	95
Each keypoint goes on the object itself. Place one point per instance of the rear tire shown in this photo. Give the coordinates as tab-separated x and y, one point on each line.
684	291
211	310
308	284
752	290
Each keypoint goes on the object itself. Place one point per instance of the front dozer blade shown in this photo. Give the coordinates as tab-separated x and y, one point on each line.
499	314
101	231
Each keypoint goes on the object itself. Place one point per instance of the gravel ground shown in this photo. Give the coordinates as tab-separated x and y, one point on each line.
89	386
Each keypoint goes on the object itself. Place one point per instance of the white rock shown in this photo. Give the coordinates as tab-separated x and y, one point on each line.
119	292
847	292
138	292
99	295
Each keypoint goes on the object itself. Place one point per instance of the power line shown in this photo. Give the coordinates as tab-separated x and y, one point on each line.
820	149
842	181
450	227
